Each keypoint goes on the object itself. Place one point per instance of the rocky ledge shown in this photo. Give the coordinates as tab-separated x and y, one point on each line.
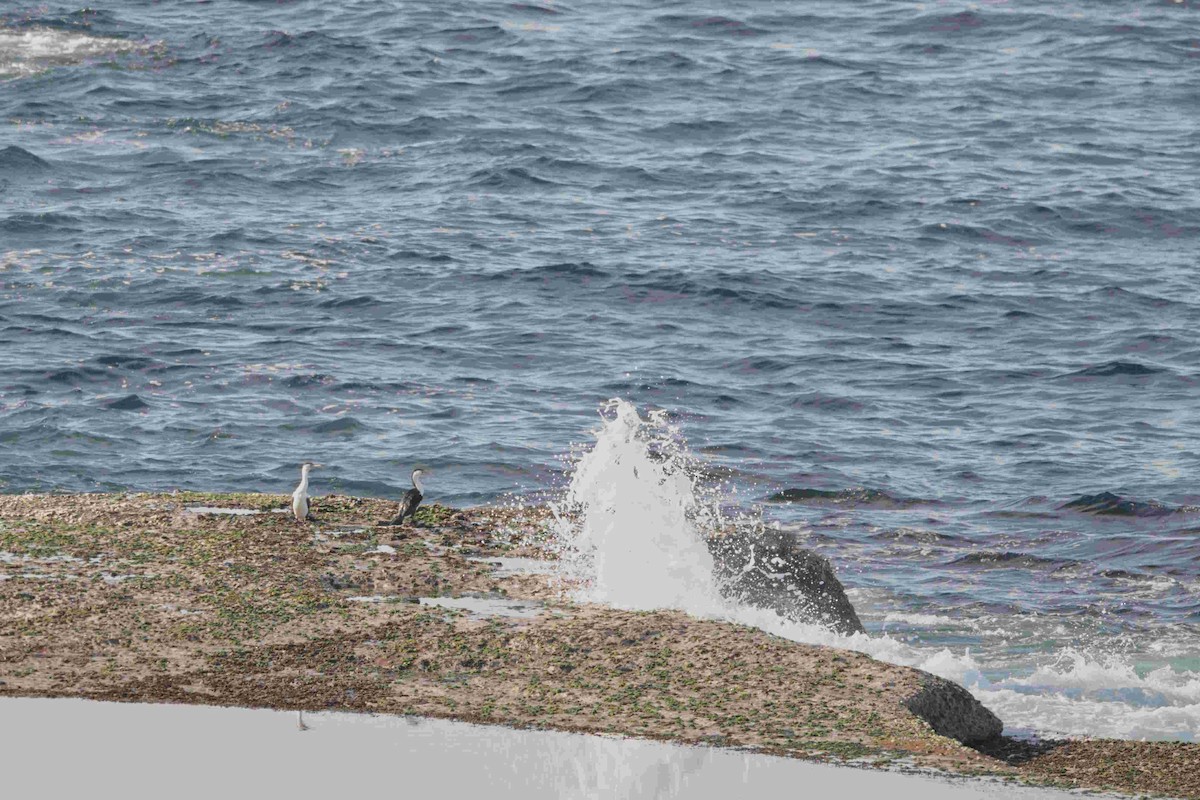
174	598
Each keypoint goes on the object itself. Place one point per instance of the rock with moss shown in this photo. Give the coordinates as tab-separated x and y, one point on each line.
954	712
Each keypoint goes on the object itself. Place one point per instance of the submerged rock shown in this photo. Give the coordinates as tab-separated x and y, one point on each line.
770	570
953	712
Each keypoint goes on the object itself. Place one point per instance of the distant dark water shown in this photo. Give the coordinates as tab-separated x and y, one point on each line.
935	261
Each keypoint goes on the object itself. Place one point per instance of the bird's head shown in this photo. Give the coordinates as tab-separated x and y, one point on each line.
417	474
307	465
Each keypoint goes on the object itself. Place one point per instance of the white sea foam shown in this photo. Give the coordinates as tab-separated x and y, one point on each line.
27	51
1052	714
923	620
630	534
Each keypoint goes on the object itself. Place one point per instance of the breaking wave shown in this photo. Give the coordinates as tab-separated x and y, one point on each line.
629	533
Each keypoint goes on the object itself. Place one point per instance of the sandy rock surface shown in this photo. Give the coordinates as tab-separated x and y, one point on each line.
146	598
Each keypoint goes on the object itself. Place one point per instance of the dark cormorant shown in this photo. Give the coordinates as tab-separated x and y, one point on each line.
412	498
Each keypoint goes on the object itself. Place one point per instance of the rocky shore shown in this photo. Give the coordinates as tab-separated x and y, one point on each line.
173	598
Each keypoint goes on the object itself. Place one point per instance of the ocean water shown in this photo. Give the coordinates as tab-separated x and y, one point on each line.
911	278
628	531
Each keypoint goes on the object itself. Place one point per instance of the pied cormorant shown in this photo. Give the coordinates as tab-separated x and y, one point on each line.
412	498
300	496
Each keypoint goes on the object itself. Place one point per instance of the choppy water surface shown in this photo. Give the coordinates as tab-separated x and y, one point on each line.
922	272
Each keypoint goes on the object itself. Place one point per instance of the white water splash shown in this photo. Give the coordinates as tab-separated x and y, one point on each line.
630	534
628	528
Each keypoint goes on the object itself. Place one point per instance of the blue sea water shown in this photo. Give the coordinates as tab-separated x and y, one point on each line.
924	273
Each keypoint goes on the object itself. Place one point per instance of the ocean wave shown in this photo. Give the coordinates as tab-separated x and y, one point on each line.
19	161
361	301
1127	575
1113	676
340	426
566	269
127	403
28	50
535	10
41	223
1118	369
1008	559
712	25
921	535
308	380
922	620
655	62
827	403
507	179
126	362
615	91
1119	296
1107	503
859	497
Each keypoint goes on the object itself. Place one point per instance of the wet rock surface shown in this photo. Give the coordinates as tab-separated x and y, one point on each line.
769	569
953	712
259	610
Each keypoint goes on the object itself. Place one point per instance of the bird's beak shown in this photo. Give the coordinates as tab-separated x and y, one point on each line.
317	465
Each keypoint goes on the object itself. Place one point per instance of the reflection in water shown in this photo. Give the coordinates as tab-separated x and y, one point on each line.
146	750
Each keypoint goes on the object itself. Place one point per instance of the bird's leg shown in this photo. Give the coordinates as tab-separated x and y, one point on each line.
300	720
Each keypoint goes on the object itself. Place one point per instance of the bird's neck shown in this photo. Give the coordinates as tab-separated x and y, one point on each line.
303	487
417	483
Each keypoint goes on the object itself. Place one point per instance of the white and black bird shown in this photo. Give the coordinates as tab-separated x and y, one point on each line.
300	496
412	498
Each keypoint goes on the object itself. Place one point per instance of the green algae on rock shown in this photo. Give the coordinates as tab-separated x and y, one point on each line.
133	597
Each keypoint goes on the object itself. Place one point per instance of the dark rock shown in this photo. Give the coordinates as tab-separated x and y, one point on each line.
770	570
953	712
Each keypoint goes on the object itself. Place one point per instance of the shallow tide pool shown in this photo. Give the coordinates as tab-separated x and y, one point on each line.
135	750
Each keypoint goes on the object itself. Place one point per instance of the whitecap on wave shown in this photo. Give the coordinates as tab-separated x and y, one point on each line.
28	51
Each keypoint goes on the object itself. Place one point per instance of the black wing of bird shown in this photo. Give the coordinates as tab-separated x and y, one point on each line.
408	506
